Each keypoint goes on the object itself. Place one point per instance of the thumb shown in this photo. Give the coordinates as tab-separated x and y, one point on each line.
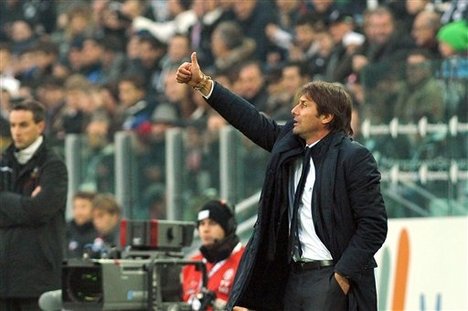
195	60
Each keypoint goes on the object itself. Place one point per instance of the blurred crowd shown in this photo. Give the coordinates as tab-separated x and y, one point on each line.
93	230
102	66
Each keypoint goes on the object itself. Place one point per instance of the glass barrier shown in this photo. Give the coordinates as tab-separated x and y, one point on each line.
414	120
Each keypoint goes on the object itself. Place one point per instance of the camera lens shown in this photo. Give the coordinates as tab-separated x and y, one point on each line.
84	284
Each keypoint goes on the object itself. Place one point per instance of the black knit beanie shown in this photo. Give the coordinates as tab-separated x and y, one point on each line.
219	212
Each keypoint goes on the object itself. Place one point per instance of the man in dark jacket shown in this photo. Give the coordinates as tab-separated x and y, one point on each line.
311	249
79	231
33	190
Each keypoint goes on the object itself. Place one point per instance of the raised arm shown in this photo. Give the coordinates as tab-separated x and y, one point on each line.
241	114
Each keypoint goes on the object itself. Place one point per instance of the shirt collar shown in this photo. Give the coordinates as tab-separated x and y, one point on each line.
24	155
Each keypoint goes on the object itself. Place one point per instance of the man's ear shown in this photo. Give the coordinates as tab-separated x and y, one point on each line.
326	118
42	126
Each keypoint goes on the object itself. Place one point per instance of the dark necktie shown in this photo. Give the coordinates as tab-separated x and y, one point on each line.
296	250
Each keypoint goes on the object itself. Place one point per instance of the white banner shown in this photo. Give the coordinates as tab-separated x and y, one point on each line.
423	265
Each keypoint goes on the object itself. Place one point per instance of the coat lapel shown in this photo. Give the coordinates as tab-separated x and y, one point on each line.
323	200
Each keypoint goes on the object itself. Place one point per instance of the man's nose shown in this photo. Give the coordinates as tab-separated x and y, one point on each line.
293	110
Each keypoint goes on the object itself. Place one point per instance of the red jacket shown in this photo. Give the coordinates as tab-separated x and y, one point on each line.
220	276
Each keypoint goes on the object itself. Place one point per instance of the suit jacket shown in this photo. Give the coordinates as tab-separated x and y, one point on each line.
31	228
348	209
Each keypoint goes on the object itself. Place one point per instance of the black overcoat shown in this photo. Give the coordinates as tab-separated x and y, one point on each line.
348	209
32	229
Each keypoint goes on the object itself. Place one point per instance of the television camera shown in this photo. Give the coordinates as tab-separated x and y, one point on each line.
146	277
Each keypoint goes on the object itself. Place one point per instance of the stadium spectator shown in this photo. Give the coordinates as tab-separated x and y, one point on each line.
40	14
80	230
419	87
78	105
304	44
108	21
425	27
132	96
384	41
179	96
178	49
76	22
253	16
51	92
453	40
230	47
145	54
321	10
252	84
210	14
22	36
91	51
341	27
293	74
410	9
112	60
106	218
318	63
220	250
453	46
282	32
24	68
44	55
106	100
97	156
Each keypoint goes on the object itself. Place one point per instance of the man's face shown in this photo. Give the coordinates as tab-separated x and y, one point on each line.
174	91
148	54
244	8
338	30
51	96
379	28
422	32
91	52
251	81
308	124
82	210
97	132
129	94
104	222
179	47
291	79
305	36
24	130
210	231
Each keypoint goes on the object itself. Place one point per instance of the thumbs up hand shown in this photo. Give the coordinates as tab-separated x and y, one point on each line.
189	72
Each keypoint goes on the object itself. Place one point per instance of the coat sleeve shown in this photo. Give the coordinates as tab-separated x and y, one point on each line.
241	114
19	210
368	212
